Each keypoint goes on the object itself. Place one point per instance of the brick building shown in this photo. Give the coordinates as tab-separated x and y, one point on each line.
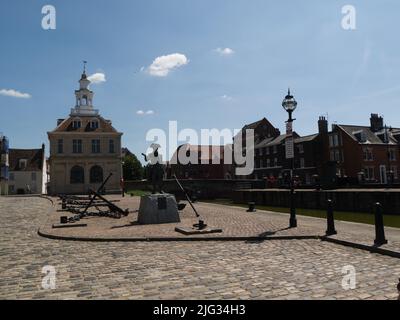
348	154
200	162
310	158
366	154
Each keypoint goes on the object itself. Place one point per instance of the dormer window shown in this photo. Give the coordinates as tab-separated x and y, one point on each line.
76	124
22	163
94	124
360	136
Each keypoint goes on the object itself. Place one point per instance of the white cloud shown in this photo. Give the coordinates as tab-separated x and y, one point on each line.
97	78
162	66
145	113
14	93
225	51
225	97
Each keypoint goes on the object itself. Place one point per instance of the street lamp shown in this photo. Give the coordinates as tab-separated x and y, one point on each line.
290	104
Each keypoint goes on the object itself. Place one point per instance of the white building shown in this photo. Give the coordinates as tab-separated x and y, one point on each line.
84	148
27	171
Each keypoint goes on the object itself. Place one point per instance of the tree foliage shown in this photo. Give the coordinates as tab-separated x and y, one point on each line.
132	168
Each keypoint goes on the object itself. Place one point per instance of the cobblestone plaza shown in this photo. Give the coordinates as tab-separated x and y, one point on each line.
271	269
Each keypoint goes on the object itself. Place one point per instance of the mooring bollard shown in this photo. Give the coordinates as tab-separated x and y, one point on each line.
293	219
379	227
64	204
330	230
252	207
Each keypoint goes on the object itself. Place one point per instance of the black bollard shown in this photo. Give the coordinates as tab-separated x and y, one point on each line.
64	204
293	219
379	227
330	219
252	206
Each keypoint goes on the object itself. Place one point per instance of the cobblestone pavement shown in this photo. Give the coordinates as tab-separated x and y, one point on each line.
275	269
234	221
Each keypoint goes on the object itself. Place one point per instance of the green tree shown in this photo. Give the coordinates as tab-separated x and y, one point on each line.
132	168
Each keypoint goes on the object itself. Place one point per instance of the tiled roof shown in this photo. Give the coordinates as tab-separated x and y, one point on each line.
370	136
254	124
306	138
34	159
66	125
273	142
263	143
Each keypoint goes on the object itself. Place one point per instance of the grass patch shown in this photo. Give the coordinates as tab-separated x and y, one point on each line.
360	217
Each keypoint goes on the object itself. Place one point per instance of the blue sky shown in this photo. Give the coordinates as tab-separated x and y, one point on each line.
275	44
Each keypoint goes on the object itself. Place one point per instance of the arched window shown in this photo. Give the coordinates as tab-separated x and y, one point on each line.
96	174
77	175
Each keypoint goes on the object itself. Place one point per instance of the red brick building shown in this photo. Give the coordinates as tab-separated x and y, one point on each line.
200	162
348	154
366	154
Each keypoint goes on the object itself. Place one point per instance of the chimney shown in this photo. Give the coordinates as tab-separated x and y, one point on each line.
322	125
59	121
376	122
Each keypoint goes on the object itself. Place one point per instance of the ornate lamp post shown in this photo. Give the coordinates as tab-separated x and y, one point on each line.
290	104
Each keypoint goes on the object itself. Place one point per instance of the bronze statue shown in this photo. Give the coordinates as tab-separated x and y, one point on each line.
156	168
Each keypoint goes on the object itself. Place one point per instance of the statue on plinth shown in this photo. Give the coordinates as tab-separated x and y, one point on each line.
156	168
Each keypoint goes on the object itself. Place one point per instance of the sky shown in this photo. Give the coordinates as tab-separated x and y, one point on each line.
205	64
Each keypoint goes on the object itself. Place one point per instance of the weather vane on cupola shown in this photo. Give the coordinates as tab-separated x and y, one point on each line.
84	66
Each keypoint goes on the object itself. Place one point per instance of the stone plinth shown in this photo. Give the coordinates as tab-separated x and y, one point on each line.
158	208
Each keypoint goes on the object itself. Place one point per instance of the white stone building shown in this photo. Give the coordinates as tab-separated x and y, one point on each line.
84	149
